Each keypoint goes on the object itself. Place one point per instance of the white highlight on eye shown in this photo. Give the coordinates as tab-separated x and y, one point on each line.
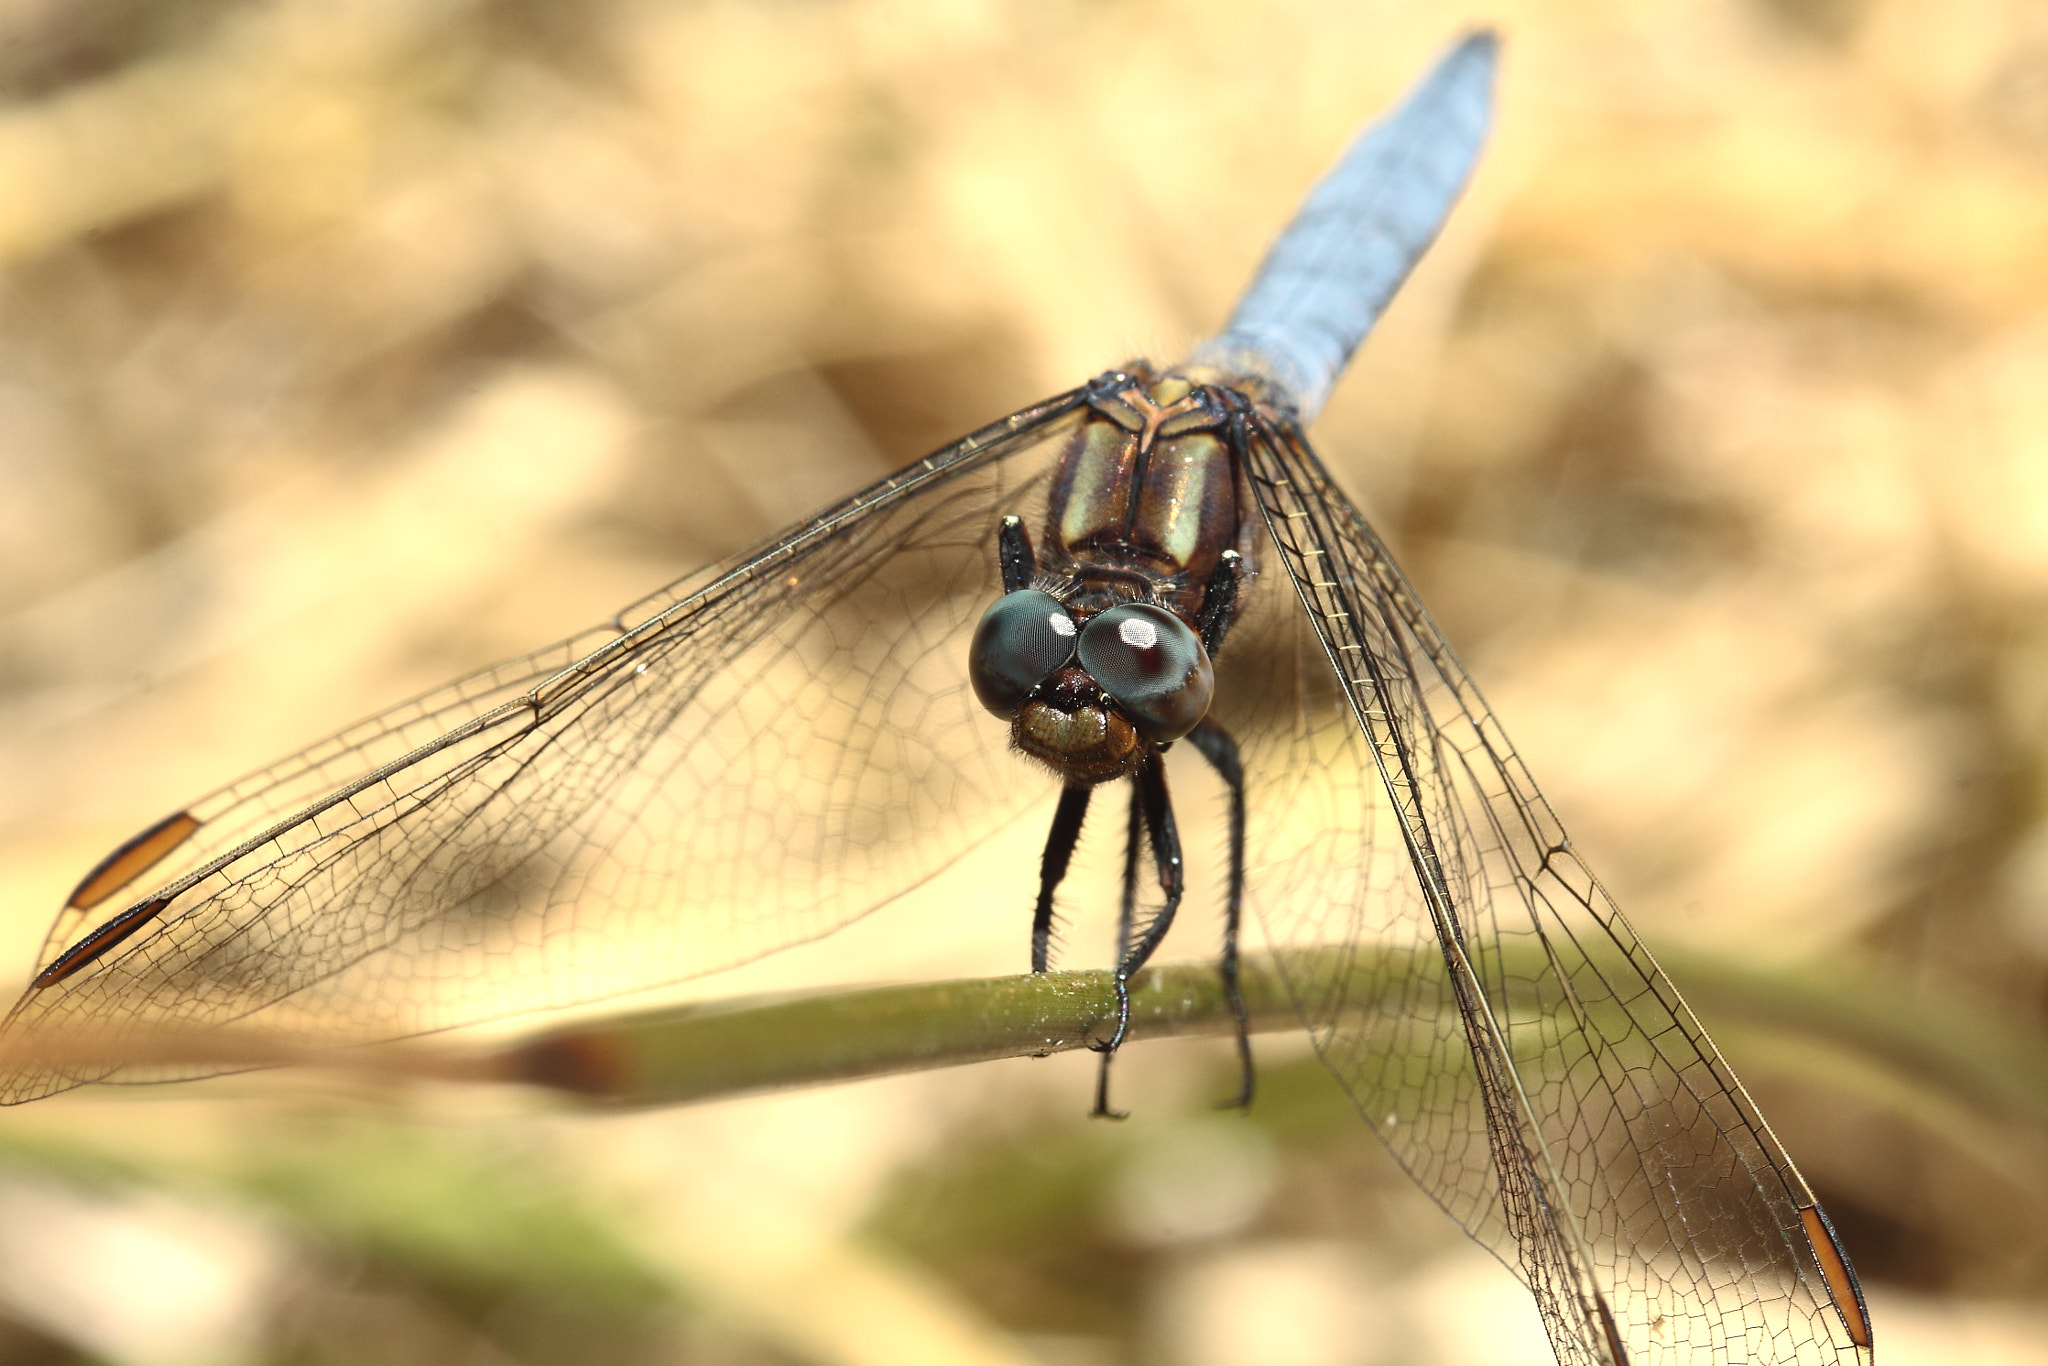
1061	623
1137	633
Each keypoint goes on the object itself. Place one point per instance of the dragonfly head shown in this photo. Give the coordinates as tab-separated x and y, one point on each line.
1089	695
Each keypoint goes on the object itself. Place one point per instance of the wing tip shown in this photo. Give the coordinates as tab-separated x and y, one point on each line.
99	943
1838	1273
132	858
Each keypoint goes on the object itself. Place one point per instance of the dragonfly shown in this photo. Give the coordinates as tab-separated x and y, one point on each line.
1150	566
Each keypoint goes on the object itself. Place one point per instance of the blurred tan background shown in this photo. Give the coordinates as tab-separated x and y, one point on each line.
348	344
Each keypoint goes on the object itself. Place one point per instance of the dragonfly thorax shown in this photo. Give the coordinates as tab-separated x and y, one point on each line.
1147	497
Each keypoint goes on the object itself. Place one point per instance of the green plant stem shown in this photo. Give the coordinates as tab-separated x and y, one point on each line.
1933	1043
689	1053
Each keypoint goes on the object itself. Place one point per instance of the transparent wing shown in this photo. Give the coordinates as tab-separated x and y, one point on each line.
749	760
226	817
1492	1015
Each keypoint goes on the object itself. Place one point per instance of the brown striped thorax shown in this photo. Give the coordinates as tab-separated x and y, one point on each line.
1099	652
1147	496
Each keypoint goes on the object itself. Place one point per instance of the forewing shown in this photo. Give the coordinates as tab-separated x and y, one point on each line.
210	826
1496	1020
749	760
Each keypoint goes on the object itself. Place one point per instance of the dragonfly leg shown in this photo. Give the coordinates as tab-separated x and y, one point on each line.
1134	844
1215	744
1157	807
1219	601
1052	867
1013	552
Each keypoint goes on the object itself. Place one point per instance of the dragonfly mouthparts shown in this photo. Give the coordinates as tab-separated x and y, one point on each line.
1071	728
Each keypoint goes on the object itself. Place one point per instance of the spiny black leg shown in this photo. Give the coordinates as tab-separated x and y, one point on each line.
1219	601
1160	829
1215	745
1052	867
1013	552
1134	841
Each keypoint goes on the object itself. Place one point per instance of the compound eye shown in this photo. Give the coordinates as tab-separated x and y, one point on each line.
1153	665
1019	643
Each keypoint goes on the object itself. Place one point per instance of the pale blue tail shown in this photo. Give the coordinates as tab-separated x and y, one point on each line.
1334	269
